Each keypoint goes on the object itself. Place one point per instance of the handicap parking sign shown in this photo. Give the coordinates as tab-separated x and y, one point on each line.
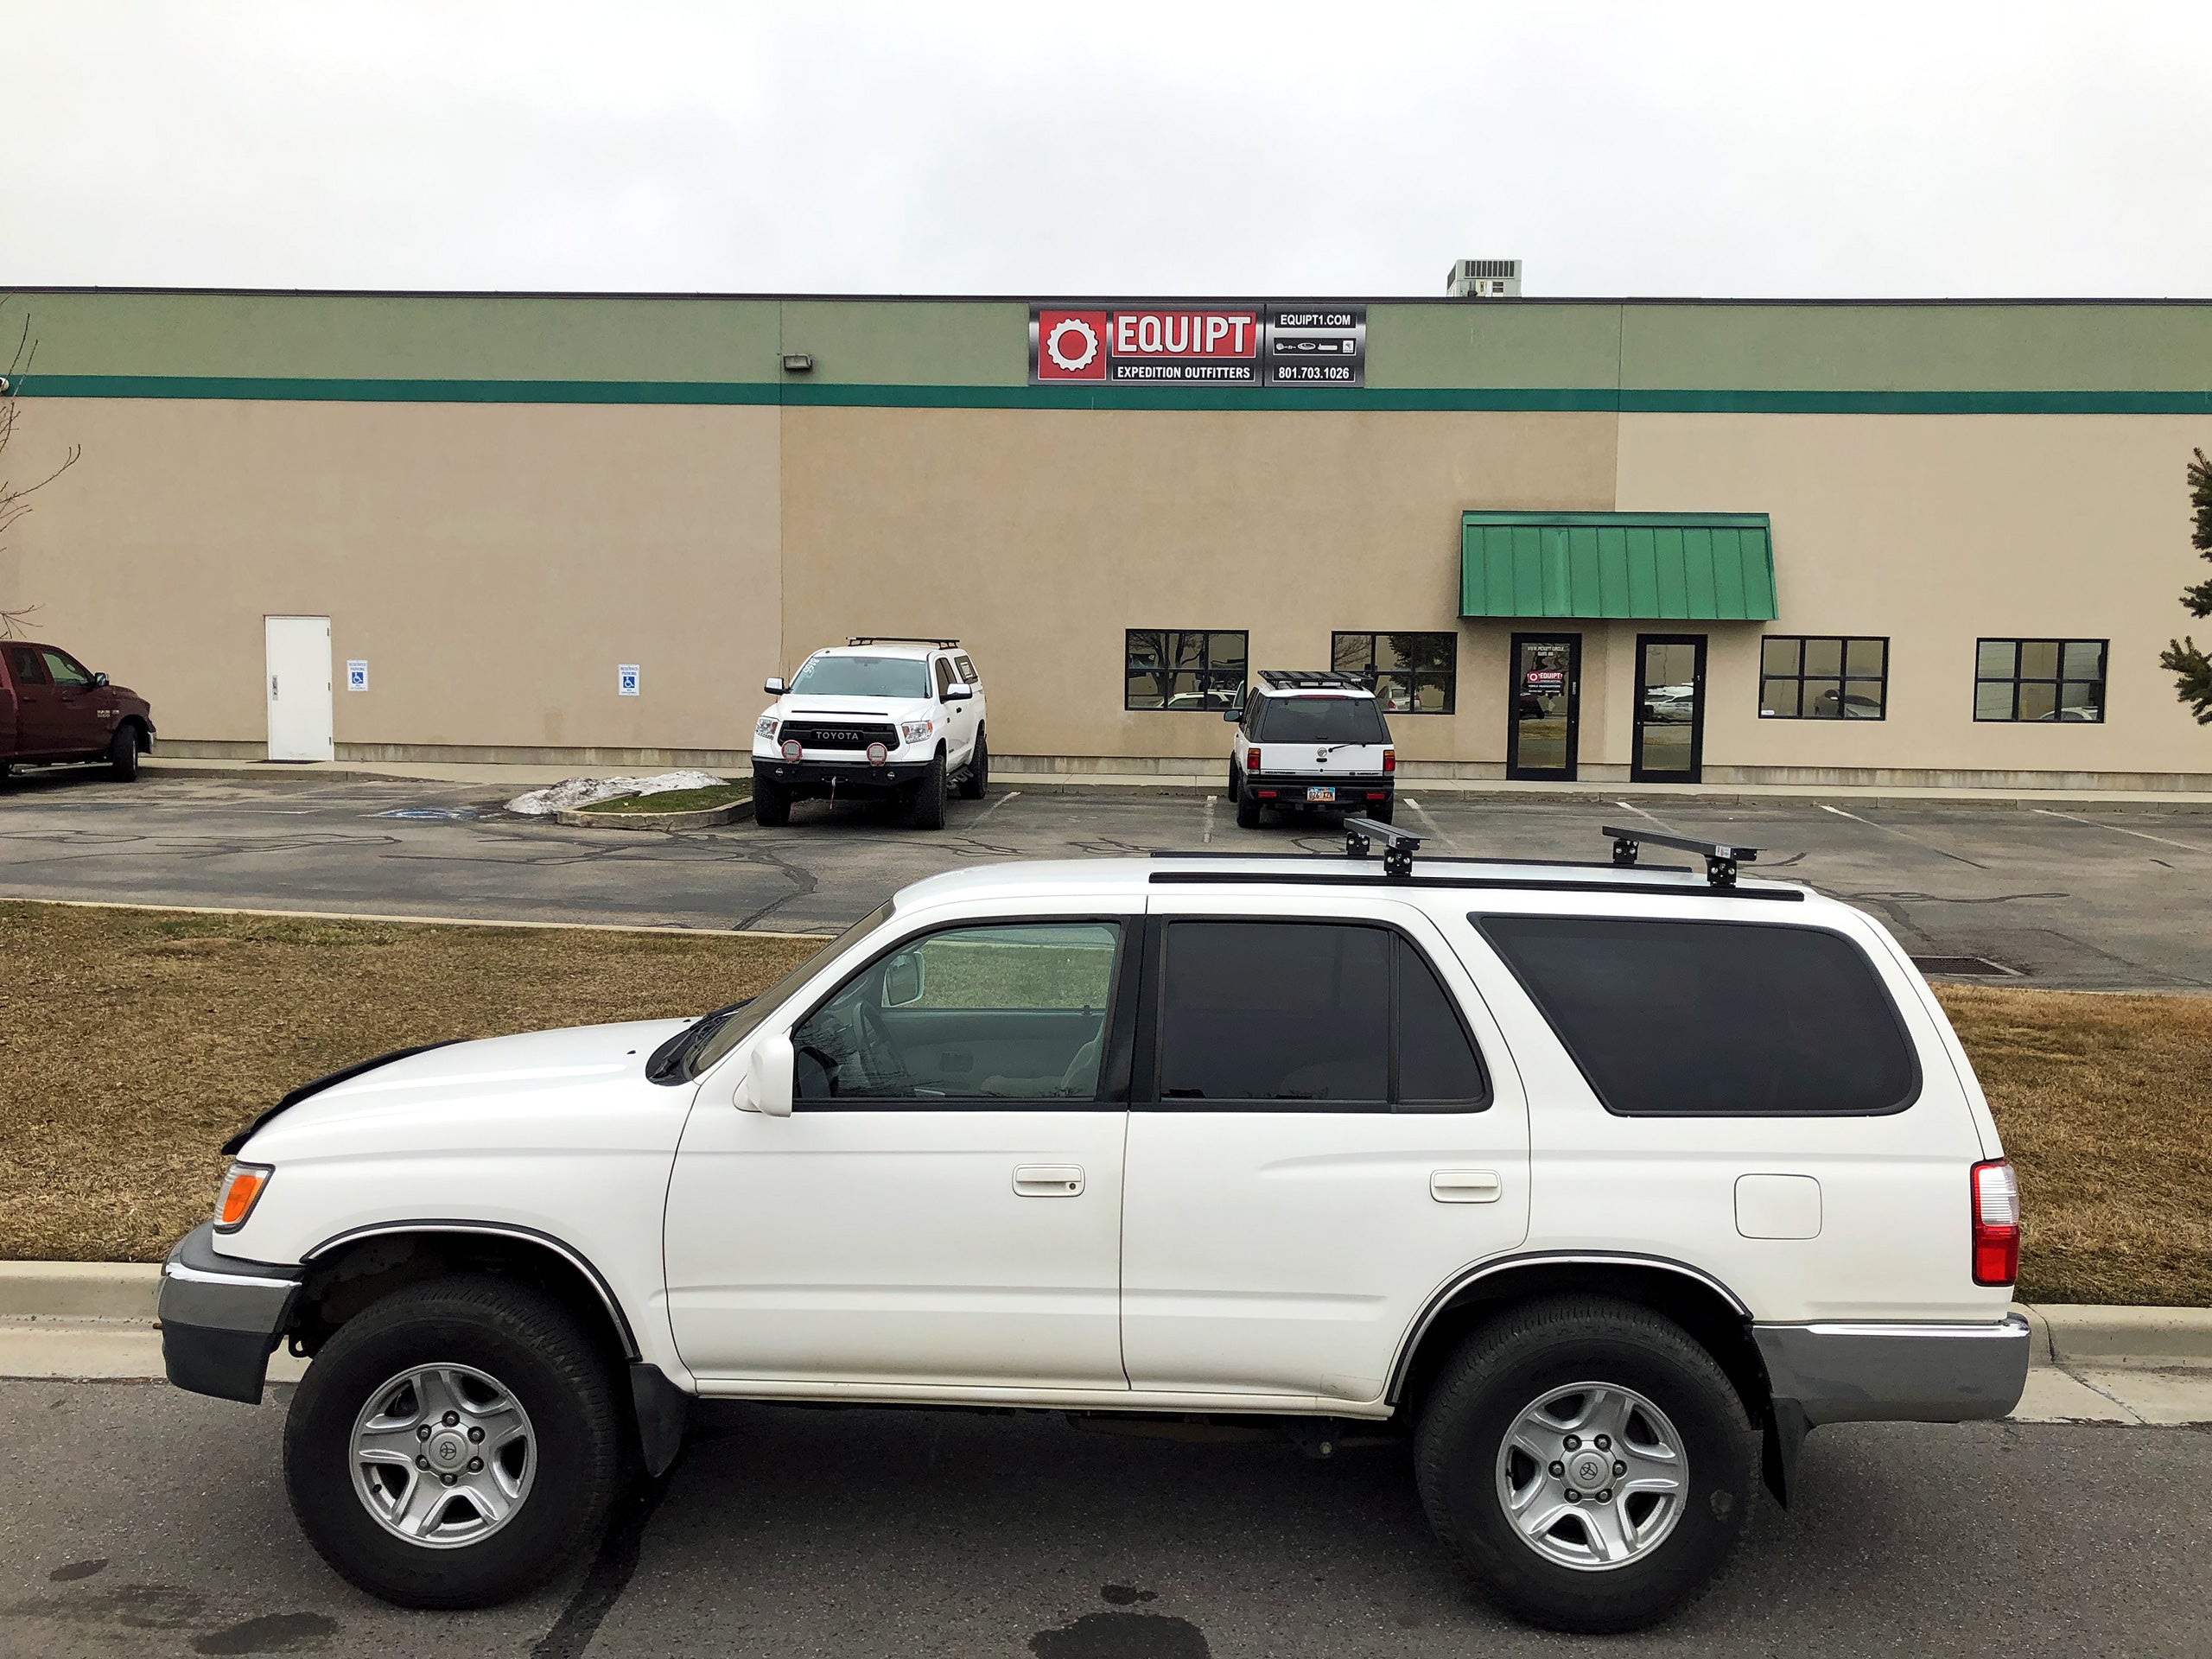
357	674
626	680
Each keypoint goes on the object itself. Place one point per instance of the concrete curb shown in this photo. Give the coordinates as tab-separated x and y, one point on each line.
79	1290
705	818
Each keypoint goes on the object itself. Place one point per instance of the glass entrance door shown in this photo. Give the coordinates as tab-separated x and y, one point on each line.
1670	708
1541	703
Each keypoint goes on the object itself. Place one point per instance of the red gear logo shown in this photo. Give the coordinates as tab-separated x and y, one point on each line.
1071	344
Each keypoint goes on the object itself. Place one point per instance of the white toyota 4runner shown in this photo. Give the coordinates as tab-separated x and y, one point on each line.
1602	1183
1310	738
878	717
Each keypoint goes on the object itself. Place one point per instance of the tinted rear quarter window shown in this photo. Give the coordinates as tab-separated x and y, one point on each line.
1713	1019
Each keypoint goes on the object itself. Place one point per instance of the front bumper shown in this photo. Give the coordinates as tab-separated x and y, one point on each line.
843	776
222	1318
1851	1373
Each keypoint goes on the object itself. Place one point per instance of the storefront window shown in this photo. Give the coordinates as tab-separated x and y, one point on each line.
1184	668
1411	673
1823	677
2039	679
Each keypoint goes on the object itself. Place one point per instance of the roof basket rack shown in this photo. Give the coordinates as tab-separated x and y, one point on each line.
901	639
1315	679
1721	857
1398	847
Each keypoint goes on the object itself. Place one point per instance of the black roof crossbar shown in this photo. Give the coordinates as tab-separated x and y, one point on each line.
1313	679
1721	857
1398	847
901	639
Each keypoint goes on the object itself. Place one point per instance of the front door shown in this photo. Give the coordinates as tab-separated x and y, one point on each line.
1670	708
1316	1146
298	686
1542	703
943	1208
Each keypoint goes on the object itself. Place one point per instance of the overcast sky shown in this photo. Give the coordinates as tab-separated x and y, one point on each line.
1350	149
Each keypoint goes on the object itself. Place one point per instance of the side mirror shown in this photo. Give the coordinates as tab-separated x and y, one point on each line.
773	685
1232	714
903	980
959	691
99	679
766	1085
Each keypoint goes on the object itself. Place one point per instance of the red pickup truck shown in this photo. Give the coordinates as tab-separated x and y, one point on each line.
54	709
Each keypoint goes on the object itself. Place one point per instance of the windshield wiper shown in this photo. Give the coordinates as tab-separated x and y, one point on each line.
669	1062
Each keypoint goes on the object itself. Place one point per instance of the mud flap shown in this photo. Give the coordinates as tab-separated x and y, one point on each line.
1786	1428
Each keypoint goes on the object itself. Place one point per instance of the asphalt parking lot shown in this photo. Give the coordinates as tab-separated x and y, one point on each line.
139	1521
2093	898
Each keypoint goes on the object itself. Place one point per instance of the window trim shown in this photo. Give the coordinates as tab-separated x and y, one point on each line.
1117	1029
1843	677
1151	1018
2016	680
1207	673
1375	671
1915	1087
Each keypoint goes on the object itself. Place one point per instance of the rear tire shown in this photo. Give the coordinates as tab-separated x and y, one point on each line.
1248	809
1531	1367
1385	811
925	805
771	802
1235	783
122	754
978	777
497	1356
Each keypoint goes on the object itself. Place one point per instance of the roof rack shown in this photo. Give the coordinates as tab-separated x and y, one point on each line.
1721	857
1313	679
1398	847
901	639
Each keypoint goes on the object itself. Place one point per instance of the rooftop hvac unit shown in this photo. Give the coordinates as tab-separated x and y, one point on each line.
1483	279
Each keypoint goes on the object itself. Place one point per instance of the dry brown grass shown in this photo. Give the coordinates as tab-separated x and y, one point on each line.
133	1042
2104	1103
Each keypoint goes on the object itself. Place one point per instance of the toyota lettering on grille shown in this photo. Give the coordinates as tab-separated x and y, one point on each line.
844	735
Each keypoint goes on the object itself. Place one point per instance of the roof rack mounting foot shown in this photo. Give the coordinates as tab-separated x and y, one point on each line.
1721	857
1398	847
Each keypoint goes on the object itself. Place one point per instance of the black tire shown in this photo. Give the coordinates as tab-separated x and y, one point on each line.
925	800
977	777
1248	809
771	802
1505	1367
1235	783
540	1353
1383	812
122	753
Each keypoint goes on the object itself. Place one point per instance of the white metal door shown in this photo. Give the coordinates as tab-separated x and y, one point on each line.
297	685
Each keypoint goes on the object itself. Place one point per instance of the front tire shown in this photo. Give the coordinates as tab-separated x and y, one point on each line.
925	805
1569	1385
978	777
454	1445
122	754
771	802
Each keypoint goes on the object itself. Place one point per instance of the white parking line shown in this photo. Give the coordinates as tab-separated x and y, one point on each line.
1632	807
995	805
1436	829
2187	847
1205	822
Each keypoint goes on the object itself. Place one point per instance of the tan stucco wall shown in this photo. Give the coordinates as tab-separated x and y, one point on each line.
493	563
1041	536
1934	531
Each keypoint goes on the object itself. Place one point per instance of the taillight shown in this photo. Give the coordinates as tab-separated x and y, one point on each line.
1251	759
1996	1224
1390	761
240	1191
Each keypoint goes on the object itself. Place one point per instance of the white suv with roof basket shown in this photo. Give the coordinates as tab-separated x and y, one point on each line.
1601	1184
879	716
1310	738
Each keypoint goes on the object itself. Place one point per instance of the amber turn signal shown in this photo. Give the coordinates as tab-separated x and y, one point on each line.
240	1191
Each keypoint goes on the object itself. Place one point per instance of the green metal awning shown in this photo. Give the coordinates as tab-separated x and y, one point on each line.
1689	567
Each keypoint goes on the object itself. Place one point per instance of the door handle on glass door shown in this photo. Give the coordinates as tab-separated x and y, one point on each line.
1047	1180
1465	1186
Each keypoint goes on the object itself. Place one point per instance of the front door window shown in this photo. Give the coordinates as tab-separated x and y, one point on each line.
1541	703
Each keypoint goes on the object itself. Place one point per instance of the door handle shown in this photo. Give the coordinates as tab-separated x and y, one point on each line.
1047	1180
1465	1186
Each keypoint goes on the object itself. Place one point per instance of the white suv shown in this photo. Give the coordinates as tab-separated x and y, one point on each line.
876	716
1602	1184
1308	738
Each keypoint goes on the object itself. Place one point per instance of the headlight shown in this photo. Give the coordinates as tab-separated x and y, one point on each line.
916	731
764	726
240	1191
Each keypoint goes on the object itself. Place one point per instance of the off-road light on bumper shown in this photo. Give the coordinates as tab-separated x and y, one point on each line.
792	749
241	1189
877	754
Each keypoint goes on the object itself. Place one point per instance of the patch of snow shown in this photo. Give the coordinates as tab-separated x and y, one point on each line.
572	792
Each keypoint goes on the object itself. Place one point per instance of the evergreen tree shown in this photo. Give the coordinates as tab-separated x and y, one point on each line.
2191	668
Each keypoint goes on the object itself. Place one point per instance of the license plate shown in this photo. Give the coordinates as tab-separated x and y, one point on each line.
1321	792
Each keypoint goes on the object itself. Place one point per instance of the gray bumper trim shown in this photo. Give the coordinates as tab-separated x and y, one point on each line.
221	1316
1858	1373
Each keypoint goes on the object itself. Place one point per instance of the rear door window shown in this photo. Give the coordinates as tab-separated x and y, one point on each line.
1323	720
1713	1019
22	661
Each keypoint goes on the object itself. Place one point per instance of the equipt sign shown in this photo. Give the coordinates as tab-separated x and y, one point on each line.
1272	345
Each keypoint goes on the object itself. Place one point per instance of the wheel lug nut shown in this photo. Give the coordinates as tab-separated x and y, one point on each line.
1619	1468
423	1432
1604	1442
448	1479
1558	1469
1605	1497
422	1463
475	1433
1573	1442
1573	1497
475	1465
451	1418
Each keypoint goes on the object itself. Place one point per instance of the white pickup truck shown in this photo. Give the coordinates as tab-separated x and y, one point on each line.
1602	1183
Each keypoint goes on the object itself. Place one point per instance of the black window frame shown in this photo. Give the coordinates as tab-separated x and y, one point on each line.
1376	674
1118	1029
1151	1015
2057	682
1208	676
1843	677
1915	1087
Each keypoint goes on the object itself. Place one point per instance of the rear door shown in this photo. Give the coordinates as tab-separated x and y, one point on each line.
1324	737
1324	1130
36	718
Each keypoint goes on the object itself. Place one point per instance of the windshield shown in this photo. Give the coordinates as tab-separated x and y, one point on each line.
746	1020
1320	720
864	677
